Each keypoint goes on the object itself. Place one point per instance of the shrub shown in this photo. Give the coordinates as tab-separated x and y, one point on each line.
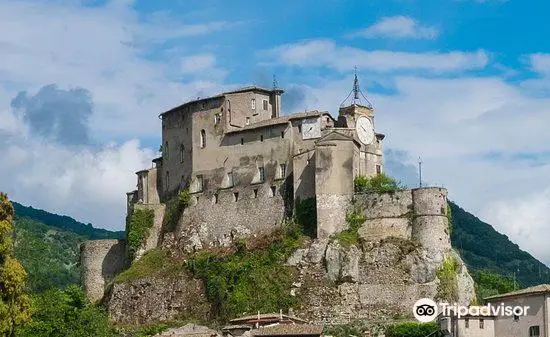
412	329
380	183
350	236
141	222
249	281
447	289
174	209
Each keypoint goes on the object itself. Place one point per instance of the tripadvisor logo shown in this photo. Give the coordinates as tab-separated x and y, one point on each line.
426	310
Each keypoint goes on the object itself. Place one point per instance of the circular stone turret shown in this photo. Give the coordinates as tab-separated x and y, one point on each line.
429	201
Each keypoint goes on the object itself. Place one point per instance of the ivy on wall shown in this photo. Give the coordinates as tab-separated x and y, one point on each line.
380	183
350	236
174	209
140	223
447	289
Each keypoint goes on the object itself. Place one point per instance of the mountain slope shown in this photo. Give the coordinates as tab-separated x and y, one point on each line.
48	246
482	247
65	222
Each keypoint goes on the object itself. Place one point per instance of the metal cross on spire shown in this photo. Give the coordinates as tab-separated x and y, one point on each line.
359	97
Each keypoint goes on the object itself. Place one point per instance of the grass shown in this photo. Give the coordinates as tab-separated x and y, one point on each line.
174	209
155	262
350	236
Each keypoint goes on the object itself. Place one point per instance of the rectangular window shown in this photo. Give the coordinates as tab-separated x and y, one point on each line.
282	171
265	104
273	190
203	138
236	196
466	323
247	121
262	173
481	323
217	119
253	104
534	331
215	199
299	128
182	153
200	183
230	179
516	318
378	169
255	193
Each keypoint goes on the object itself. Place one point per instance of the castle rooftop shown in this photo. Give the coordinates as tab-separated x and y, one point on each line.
283	120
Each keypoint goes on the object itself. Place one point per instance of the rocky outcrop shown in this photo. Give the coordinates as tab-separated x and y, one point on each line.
157	299
369	280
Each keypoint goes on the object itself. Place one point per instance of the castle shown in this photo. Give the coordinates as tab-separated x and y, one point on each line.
245	166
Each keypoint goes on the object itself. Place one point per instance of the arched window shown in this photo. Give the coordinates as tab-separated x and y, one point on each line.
203	138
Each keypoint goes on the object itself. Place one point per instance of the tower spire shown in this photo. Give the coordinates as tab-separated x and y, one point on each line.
355	86
359	97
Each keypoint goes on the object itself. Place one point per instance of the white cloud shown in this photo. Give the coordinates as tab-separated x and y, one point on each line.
325	53
398	27
104	49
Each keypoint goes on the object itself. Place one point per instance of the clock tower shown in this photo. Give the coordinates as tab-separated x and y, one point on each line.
357	114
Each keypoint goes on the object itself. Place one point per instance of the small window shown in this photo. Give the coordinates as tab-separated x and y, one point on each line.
262	173
253	104
282	171
203	138
265	103
242	141
466	323
167	180
230	179
217	119
182	153
299	128
378	169
200	183
481	323
516	318
235	196
165	150
255	193
215	199
273	190
261	138
282	134
247	121
534	331
328	120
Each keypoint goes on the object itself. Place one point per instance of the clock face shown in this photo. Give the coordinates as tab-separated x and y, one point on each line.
365	130
311	128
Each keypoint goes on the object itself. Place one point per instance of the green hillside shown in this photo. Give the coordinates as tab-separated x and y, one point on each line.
65	222
47	245
482	247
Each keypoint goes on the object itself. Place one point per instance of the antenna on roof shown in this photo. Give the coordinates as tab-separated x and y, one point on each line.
359	97
419	172
275	83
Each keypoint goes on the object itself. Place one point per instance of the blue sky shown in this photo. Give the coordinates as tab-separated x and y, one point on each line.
462	83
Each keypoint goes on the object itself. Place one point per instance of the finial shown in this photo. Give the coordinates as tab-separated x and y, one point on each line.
275	83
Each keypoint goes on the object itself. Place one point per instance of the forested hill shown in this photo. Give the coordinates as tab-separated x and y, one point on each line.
482	247
65	222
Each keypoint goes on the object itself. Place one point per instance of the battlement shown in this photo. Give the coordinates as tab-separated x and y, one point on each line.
221	217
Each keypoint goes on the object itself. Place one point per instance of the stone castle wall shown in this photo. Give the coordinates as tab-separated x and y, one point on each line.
101	261
218	219
418	214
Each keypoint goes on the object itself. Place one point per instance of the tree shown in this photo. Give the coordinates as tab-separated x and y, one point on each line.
14	303
66	313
